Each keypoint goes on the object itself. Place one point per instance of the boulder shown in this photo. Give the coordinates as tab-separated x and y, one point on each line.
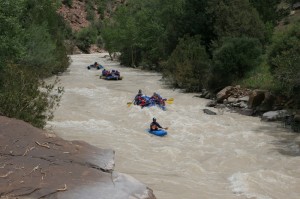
211	103
224	93
209	112
232	100
256	98
38	164
243	99
267	103
297	118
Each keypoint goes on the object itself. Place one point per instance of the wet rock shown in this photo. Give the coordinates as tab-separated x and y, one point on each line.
37	164
232	100
209	112
267	103
207	95
211	103
246	111
243	99
297	117
224	93
274	115
204	93
256	97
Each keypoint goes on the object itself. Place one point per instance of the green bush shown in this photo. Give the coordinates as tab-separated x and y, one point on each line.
189	65
31	38
260	78
85	38
25	97
233	59
40	50
284	59
90	13
44	32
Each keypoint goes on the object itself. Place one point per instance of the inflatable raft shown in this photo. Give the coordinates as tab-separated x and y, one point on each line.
111	77
97	67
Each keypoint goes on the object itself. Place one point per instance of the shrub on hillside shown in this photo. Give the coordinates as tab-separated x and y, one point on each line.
233	59
284	59
189	65
85	38
25	97
32	47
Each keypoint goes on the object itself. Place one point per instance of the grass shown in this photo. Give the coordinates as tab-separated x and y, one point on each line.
260	78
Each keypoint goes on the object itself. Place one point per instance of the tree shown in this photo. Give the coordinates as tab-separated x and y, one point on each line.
44	34
31	47
143	30
189	65
267	9
235	18
10	30
233	59
284	59
25	97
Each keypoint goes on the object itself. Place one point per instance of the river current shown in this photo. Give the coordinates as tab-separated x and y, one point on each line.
224	156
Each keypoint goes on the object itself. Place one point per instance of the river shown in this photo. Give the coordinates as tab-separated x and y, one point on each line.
224	156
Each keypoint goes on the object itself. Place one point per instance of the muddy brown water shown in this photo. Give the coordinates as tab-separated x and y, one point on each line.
224	156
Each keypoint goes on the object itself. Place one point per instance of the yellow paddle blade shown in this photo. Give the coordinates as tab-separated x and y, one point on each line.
170	101
129	104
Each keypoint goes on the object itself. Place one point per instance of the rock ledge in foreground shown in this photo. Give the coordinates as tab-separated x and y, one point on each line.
37	164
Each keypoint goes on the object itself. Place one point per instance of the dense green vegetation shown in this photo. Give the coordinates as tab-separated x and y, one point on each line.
208	44
284	59
31	48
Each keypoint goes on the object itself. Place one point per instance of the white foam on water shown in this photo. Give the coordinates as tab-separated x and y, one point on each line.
262	184
91	126
91	93
203	156
240	186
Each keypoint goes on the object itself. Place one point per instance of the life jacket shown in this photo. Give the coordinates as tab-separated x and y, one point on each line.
142	101
153	127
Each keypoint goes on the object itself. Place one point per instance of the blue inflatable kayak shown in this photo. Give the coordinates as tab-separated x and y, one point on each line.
158	132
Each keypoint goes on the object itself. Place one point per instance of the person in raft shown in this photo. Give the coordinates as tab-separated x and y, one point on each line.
158	99
154	126
138	98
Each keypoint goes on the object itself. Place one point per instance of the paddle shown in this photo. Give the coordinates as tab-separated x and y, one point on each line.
129	103
169	101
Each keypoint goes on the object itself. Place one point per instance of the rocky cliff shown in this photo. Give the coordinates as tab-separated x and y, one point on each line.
76	14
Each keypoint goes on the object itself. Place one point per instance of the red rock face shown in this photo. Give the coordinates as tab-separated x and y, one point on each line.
76	15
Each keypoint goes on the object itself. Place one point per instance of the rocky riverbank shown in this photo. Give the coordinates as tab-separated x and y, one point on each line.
256	102
38	164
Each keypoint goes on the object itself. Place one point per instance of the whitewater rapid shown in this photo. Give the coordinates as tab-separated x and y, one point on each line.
227	156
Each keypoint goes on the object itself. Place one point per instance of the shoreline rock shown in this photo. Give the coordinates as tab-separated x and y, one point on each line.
256	102
35	164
